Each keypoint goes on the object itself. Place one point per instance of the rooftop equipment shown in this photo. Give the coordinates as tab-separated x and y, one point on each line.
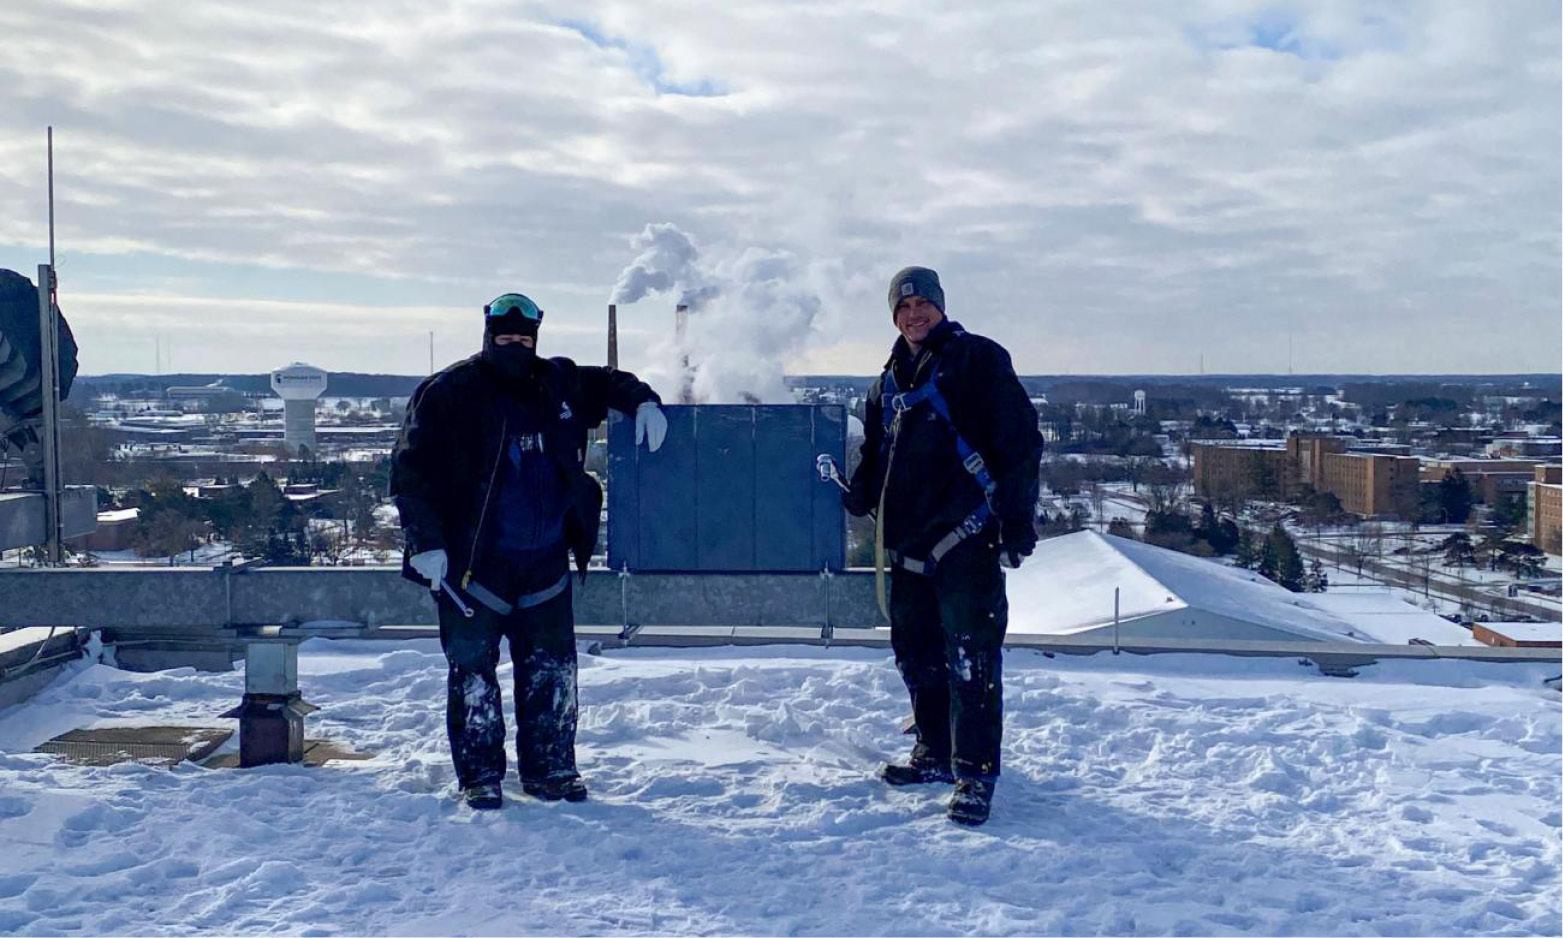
734	488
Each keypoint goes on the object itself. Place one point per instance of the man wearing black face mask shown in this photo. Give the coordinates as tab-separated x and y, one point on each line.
489	478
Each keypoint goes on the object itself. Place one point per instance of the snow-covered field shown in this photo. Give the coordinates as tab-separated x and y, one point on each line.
733	793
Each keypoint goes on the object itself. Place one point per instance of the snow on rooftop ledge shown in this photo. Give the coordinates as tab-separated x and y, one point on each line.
733	792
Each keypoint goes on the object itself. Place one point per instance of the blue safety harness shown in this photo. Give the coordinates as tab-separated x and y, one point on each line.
895	405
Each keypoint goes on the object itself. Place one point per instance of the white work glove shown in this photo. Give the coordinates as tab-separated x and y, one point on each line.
432	565
651	427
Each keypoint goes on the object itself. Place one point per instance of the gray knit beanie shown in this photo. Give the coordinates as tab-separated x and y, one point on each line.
916	281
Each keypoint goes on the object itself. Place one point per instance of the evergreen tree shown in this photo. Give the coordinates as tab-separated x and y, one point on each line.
1280	560
1221	535
1526	560
1458	551
1228	535
1244	552
1455	497
1316	580
1205	525
1269	559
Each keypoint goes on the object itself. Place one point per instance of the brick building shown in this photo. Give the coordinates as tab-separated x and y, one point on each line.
1518	634
1249	470
113	531
1368	484
1491	479
1371	485
1544	509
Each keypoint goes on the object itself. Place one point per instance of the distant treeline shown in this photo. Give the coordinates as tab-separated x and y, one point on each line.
1461	393
338	384
1206	390
1109	389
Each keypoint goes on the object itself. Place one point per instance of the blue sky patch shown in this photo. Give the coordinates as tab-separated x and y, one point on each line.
1274	30
644	61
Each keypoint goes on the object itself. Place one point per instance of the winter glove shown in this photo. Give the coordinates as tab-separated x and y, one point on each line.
432	565
1016	542
651	427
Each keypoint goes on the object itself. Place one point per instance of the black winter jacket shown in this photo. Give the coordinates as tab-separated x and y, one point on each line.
929	491
445	462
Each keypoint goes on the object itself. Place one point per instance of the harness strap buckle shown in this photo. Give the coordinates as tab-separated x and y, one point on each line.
971	525
909	564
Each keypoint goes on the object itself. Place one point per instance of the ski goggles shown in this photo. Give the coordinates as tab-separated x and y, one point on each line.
513	303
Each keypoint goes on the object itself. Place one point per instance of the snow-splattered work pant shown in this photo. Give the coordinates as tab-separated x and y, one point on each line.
542	650
947	632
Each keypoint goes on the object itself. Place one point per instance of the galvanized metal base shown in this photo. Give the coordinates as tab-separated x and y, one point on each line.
271	728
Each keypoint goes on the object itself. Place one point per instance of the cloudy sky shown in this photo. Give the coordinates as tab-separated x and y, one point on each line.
1104	187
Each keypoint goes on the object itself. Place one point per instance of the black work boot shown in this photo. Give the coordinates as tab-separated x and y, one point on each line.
916	772
485	797
566	788
971	802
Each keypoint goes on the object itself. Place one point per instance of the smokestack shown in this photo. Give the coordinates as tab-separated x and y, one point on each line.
613	335
686	392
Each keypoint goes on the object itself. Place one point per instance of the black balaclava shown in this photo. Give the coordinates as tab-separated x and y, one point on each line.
514	361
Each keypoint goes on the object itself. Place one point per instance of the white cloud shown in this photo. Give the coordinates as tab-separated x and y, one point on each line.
1104	187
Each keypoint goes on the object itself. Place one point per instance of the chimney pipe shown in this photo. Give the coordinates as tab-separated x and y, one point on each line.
686	393
613	335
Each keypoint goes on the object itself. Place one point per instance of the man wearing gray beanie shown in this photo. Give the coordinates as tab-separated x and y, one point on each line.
949	469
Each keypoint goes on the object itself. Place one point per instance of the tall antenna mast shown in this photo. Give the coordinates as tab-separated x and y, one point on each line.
49	373
431	351
52	290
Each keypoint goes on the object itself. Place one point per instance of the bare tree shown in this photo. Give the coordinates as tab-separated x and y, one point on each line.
1367	541
1162	485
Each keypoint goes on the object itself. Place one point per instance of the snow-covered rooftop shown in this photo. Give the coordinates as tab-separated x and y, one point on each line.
1066	588
732	792
1528	631
1380	616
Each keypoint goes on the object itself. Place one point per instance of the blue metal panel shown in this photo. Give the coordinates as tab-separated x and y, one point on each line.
669	478
725	499
786	511
623	485
732	489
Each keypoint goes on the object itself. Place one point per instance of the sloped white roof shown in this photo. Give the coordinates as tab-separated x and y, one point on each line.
1067	588
1383	617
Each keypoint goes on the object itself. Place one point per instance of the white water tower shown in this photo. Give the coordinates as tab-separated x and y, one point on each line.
1139	403
299	385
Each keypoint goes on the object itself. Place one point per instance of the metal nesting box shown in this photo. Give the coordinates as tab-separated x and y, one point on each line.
733	488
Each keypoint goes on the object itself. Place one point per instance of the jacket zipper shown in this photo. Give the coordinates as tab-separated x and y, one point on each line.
472	555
